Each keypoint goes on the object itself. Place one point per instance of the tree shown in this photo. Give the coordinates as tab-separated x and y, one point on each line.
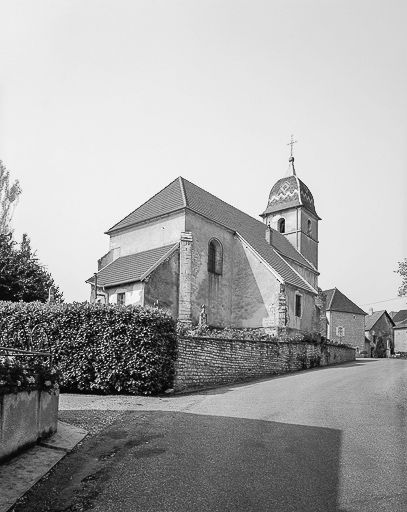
9	195
402	270
22	277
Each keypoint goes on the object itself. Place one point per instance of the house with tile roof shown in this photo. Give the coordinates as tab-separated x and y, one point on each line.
185	247
379	327
346	320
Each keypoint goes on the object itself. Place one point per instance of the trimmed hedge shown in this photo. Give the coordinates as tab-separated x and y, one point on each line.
98	348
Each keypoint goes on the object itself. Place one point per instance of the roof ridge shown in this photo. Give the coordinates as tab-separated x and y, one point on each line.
141	205
182	187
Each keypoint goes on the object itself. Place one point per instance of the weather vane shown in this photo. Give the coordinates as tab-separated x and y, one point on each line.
291	143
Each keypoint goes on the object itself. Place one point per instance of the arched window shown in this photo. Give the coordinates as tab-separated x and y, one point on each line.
215	257
309	227
281	225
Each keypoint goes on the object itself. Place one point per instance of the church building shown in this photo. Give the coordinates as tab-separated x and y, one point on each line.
185	248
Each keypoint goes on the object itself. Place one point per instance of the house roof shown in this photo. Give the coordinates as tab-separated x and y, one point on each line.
134	267
337	301
371	320
401	325
182	194
289	192
400	316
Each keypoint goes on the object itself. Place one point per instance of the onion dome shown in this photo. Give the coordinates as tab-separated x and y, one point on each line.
290	192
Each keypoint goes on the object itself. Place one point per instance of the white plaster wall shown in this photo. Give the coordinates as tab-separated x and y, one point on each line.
290	217
157	233
400	340
134	294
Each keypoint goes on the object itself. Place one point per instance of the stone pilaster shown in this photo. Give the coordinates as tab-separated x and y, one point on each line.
185	276
282	309
320	303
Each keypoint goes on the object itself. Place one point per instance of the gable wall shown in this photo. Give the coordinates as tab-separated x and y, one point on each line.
354	326
215	291
133	291
157	233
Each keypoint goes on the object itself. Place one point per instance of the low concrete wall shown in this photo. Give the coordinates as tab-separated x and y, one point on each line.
206	362
26	417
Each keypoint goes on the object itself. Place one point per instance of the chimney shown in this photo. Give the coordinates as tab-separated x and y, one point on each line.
269	234
370	311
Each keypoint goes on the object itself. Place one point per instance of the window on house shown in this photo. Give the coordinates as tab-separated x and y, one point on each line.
340	331
309	227
121	299
281	225
298	305
215	257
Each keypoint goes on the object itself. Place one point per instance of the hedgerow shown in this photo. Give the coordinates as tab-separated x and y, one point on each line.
97	348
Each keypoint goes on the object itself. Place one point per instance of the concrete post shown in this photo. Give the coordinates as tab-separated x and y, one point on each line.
185	276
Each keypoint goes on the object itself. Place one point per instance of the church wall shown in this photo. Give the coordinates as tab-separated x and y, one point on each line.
354	326
305	322
215	291
133	291
255	290
160	232
163	285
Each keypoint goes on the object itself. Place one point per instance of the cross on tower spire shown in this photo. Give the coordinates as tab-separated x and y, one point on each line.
291	143
291	159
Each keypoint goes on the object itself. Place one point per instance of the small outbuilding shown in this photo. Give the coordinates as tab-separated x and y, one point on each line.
400	337
379	331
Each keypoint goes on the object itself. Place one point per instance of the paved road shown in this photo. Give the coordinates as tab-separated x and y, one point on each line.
330	439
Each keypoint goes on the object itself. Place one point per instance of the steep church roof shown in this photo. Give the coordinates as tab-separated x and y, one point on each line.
182	194
337	301
289	192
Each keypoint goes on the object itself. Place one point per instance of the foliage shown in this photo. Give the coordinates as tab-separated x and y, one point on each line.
402	271
248	334
21	275
9	194
380	348
100	348
17	374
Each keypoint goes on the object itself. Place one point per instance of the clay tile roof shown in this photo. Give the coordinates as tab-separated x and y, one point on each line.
371	320
181	193
288	192
337	301
401	325
132	268
400	316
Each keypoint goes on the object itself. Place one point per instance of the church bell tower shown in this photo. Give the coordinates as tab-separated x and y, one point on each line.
291	211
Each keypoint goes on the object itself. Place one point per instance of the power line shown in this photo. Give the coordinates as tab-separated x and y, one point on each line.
380	301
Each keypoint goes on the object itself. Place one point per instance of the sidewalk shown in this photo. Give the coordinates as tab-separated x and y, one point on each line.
19	474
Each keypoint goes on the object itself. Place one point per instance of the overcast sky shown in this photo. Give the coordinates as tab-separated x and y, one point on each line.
105	102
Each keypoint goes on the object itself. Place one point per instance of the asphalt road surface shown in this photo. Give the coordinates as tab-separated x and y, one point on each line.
329	439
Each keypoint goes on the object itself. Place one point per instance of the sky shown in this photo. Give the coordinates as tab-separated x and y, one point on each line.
105	102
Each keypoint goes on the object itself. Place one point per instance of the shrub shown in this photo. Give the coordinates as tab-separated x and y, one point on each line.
18	374
99	348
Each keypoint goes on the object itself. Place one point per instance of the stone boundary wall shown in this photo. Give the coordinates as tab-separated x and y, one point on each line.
26	417
208	362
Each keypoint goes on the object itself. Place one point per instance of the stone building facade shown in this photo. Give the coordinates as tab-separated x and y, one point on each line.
185	247
346	320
